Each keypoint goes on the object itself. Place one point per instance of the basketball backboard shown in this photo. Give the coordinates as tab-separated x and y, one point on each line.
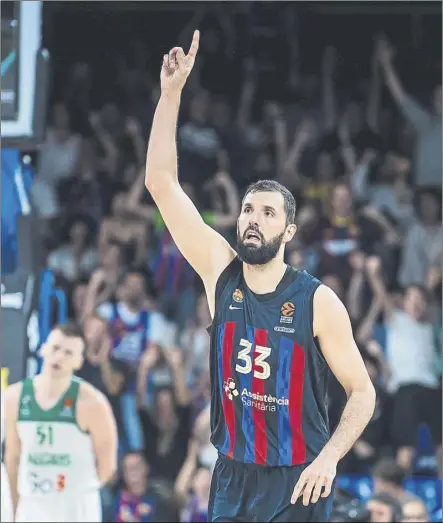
24	71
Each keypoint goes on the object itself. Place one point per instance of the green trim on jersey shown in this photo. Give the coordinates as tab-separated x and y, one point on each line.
64	411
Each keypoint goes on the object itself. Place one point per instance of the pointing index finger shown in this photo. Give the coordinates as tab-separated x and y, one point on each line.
194	45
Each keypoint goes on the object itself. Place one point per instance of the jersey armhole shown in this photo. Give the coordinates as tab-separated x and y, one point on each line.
315	286
223	279
76	384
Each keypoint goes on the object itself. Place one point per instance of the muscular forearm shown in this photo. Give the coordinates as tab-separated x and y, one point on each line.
356	415
161	160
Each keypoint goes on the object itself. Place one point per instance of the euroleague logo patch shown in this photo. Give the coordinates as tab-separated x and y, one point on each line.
237	296
287	312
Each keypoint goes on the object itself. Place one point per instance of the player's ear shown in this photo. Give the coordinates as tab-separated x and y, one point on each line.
79	362
290	231
43	349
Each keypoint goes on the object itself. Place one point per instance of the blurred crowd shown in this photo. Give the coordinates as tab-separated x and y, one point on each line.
361	151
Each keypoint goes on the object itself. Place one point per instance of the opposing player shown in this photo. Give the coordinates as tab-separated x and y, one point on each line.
61	438
275	333
6	503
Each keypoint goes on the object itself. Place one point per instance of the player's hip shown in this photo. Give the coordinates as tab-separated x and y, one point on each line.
251	492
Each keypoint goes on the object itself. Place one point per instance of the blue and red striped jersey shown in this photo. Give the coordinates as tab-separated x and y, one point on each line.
268	375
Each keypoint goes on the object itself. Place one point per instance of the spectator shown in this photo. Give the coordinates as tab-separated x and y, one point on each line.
100	368
198	142
384	509
78	300
340	235
135	329
422	248
127	230
414	510
167	427
389	479
78	258
412	355
195	340
58	159
427	124
134	499
197	500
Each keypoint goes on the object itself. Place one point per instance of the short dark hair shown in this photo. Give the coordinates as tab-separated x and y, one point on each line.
387	469
273	186
71	330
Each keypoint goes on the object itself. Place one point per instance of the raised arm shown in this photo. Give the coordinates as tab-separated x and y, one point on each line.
373	107
415	114
378	287
207	251
328	88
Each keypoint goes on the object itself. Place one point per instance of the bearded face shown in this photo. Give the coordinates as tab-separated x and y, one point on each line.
262	228
253	249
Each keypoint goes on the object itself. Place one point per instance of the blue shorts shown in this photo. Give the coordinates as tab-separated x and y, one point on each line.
248	492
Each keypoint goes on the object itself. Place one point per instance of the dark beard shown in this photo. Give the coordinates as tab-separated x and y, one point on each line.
259	254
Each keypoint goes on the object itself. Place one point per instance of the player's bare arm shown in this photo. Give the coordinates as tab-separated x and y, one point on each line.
12	439
333	329
207	251
94	415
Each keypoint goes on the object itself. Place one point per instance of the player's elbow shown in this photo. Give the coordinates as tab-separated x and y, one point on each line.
365	390
156	180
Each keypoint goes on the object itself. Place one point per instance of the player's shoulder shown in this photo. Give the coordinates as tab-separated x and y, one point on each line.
231	272
89	395
11	396
14	390
327	308
325	297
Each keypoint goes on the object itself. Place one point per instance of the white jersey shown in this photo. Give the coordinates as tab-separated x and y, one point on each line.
57	457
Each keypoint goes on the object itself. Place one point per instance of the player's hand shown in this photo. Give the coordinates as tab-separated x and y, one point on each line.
317	476
177	66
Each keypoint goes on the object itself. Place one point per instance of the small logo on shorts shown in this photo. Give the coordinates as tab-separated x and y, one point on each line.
287	312
237	295
230	389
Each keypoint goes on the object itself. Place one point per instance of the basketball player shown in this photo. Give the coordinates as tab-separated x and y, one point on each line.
275	333
6	504
61	439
